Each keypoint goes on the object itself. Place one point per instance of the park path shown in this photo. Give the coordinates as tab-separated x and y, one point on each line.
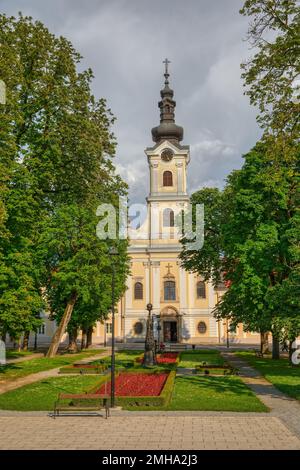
24	358
286	408
45	374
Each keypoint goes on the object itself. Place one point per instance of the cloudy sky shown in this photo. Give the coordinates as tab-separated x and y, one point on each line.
125	42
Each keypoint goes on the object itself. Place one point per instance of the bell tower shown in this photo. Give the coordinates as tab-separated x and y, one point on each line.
168	161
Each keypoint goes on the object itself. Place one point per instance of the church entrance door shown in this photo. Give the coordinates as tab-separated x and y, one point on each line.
170	331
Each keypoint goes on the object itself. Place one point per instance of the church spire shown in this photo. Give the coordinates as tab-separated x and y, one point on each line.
167	130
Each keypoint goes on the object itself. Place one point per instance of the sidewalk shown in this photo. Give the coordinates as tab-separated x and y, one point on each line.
282	406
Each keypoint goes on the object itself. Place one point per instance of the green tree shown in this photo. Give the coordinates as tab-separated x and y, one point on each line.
56	146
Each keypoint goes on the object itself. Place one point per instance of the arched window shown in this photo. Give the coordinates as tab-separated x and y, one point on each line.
168	218
202	327
201	291
138	328
167	178
169	290
138	291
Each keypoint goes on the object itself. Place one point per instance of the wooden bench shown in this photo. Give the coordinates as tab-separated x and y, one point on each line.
100	402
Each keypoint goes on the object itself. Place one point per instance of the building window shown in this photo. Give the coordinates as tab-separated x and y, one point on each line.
41	329
169	290
201	291
167	178
138	291
138	328
202	328
108	327
168	218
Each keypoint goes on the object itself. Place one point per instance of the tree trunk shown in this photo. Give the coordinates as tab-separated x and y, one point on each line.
56	339
275	347
89	338
73	333
25	340
84	338
264	343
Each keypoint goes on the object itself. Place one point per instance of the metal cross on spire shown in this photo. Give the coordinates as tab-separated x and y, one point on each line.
166	74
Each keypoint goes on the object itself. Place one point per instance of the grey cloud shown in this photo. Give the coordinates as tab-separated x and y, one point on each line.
125	41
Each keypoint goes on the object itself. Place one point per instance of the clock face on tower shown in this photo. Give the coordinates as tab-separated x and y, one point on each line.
167	155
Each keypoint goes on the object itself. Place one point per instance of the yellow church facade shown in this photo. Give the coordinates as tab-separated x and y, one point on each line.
182	302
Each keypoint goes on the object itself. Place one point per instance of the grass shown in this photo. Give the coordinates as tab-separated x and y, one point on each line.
40	396
122	359
193	358
279	372
12	371
12	354
196	393
191	393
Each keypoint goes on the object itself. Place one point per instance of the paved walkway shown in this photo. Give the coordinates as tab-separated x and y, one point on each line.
279	429
282	406
146	432
29	379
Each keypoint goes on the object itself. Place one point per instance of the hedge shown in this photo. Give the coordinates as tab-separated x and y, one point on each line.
215	370
98	369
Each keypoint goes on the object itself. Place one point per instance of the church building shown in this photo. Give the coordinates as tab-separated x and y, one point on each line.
182	302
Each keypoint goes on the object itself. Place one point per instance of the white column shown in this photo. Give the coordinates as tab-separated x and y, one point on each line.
154	229
128	294
154	178
179	166
182	288
191	290
211	295
156	285
147	281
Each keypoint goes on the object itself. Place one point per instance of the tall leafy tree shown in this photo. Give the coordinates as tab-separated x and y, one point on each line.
56	146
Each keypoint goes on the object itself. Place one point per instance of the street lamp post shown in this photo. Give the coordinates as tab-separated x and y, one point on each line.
114	252
158	332
149	355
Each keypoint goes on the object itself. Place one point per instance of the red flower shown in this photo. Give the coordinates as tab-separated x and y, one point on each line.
135	385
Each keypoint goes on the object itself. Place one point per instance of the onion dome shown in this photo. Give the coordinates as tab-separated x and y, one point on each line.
167	129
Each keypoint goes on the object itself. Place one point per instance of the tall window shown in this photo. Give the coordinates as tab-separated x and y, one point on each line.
41	329
201	291
169	290
168	218
167	178
138	291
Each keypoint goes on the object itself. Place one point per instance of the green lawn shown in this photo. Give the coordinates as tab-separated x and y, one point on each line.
12	354
194	393
21	369
122	359
284	376
192	358
190	393
213	393
40	396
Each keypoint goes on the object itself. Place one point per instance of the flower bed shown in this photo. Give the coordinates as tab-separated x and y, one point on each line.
156	386
164	358
167	358
138	385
